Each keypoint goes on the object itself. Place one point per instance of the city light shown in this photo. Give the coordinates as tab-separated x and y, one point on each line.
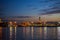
59	22
10	23
15	22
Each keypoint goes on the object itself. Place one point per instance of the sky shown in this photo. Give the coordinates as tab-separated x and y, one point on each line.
28	7
50	9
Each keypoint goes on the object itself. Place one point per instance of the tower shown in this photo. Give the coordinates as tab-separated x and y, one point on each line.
40	19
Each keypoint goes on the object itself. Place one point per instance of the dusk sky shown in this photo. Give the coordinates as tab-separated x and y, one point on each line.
29	7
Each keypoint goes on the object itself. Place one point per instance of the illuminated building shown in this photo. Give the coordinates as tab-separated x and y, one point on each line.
40	19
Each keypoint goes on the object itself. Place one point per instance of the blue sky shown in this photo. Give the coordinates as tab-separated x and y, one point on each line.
29	7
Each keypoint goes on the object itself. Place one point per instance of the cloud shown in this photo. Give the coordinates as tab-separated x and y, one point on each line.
53	10
45	1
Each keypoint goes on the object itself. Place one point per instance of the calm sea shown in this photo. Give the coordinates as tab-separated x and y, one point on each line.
29	33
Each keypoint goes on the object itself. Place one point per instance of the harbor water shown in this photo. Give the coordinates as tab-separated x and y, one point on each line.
29	33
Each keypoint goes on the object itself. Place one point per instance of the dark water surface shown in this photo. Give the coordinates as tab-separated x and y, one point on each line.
29	33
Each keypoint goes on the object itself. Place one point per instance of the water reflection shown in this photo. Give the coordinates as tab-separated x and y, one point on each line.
45	32
0	33
10	33
27	33
52	33
13	33
58	32
30	33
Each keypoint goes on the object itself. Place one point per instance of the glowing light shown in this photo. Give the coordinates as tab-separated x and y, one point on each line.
10	22
45	28
10	33
15	22
59	22
31	22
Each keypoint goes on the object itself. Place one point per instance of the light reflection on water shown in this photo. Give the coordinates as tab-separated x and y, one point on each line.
0	33
58	32
10	33
15	33
30	33
45	32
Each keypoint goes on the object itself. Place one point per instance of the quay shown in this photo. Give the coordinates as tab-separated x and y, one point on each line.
27	24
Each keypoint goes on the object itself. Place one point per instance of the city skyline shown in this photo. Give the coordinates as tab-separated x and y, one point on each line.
29	19
50	17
